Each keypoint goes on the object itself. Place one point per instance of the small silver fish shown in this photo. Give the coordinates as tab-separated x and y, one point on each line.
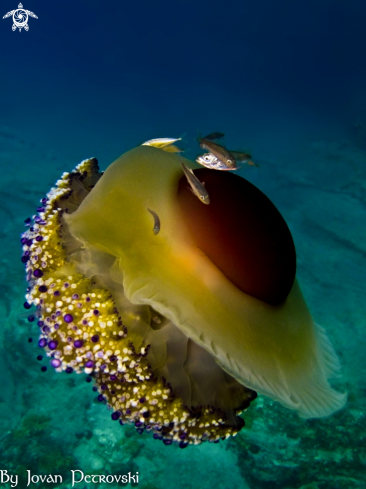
197	187
160	142
210	161
220	152
156	228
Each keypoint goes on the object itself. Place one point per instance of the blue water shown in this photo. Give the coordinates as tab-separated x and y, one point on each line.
285	80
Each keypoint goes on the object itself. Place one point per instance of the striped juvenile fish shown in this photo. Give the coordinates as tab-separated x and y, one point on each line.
220	152
160	142
197	187
166	144
156	228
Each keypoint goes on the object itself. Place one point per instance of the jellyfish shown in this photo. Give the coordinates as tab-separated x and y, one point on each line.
179	312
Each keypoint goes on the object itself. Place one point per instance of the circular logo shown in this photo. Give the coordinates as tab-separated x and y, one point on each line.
20	18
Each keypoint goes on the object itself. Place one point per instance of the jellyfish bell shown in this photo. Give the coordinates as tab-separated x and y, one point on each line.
183	326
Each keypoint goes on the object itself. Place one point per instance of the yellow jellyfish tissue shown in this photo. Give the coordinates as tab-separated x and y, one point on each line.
124	294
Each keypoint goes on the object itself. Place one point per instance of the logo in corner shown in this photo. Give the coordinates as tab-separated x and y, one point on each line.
20	18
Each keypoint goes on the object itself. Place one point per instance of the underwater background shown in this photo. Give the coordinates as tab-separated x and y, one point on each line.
284	80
